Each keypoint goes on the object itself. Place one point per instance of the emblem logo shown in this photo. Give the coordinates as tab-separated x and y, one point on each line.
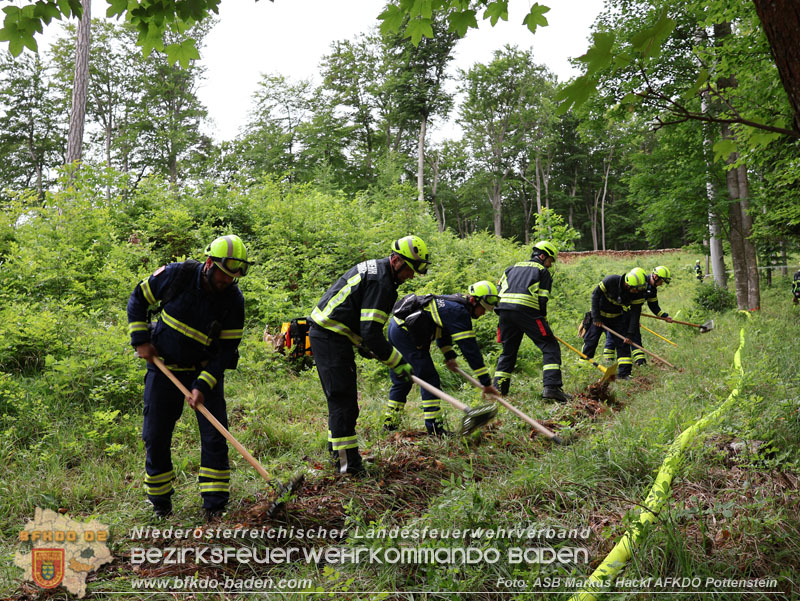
48	567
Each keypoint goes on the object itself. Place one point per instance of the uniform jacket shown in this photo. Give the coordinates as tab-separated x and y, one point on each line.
796	283
651	296
526	286
610	299
358	305
450	321
196	328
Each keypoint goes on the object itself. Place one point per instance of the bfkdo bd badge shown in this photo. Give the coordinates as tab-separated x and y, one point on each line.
48	567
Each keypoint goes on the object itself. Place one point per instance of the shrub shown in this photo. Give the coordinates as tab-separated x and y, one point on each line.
713	298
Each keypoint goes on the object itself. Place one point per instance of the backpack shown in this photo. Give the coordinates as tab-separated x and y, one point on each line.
585	324
296	340
187	272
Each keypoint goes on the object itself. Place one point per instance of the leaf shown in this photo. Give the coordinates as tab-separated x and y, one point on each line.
702	78
15	46
649	40
535	18
724	148
392	19
418	28
30	42
496	11
421	8
461	21
182	53
761	138
599	56
116	8
576	93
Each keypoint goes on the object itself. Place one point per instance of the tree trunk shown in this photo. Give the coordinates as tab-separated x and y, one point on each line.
421	161
737	245
80	84
538	187
781	22
715	244
751	258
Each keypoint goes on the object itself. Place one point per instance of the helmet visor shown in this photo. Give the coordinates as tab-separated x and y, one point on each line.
235	268
419	266
489	301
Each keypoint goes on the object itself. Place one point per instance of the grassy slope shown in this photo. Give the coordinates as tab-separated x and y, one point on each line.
729	516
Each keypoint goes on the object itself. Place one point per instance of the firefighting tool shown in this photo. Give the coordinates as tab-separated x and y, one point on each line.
618	335
706	327
473	418
539	427
608	372
657	334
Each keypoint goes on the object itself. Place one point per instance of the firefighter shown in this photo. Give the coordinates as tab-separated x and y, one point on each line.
660	275
524	291
351	314
612	300
447	319
796	287
197	336
698	270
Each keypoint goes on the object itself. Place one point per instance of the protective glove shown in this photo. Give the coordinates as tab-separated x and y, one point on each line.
404	371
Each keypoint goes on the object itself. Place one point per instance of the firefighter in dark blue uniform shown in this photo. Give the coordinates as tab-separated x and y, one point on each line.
617	303
447	319
796	287
524	291
351	314
698	271
661	275
197	336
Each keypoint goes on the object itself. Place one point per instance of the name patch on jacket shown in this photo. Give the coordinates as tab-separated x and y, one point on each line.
370	267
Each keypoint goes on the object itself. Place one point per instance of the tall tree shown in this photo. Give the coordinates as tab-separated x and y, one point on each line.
80	84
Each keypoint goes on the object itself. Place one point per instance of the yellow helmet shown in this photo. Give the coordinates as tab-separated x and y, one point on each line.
547	248
230	255
663	272
486	292
636	278
414	252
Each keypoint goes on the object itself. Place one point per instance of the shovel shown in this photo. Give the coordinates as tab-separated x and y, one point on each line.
706	327
539	427
608	372
641	348
473	418
293	484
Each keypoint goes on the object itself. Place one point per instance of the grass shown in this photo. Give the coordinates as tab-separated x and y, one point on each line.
730	515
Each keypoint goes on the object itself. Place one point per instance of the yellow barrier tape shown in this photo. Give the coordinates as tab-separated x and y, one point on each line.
615	561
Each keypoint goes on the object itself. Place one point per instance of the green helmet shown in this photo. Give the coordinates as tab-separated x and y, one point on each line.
230	255
486	293
547	248
414	252
663	272
636	278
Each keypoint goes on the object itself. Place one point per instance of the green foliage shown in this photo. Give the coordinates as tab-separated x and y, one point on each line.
710	297
549	225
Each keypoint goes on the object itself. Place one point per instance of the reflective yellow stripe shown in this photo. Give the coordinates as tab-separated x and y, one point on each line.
346	442
544	293
137	326
605	314
638	301
230	334
374	315
342	295
520	299
463	335
187	331
502	375
446	349
394	359
148	294
625	361
207	378
434	311
334	326
159	478
395	405
215	487
209	472
159	490
551	366
481	371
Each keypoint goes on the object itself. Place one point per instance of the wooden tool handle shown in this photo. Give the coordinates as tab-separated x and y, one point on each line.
214	421
664	361
442	395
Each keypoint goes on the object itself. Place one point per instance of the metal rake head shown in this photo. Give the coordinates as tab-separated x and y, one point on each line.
477	418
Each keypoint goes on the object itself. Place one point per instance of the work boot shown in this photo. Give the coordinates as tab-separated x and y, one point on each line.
163	511
435	427
214	514
641	362
348	461
556	394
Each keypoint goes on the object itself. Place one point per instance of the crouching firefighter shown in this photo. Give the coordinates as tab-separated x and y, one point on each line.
524	291
197	336
418	320
351	314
